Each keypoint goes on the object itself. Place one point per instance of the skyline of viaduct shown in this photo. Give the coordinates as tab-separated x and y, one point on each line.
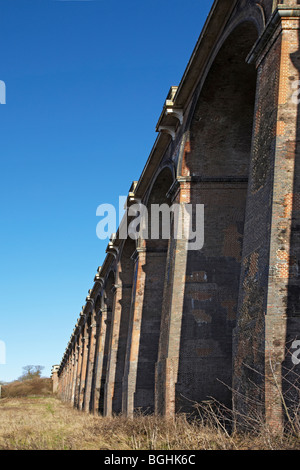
164	327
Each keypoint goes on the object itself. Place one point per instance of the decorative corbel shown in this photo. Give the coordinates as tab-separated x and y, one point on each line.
98	279
82	314
167	130
111	249
132	199
89	298
176	112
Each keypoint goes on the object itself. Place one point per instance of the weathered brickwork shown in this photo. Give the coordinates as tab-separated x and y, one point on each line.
165	327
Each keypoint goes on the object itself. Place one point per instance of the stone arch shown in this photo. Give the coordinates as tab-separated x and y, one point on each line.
107	302
166	171
92	331
221	123
119	329
95	387
158	194
108	293
84	401
249	15
154	266
217	165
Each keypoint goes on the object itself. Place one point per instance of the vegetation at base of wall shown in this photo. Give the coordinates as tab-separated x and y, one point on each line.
43	423
37	386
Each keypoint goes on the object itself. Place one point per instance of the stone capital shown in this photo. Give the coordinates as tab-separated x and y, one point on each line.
115	287
103	310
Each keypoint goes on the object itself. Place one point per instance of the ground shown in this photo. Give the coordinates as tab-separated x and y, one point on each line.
44	422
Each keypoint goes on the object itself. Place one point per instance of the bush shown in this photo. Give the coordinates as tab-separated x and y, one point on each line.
37	386
31	372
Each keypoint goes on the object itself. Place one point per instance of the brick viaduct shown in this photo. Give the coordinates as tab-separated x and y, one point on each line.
164	327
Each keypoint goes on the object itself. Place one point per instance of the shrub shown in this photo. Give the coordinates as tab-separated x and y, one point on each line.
36	386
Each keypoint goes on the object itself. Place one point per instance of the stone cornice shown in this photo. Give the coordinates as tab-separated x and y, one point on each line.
171	116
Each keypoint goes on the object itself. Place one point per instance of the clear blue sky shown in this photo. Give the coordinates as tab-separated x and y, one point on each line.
86	82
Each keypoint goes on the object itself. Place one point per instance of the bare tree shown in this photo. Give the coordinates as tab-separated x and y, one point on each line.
31	372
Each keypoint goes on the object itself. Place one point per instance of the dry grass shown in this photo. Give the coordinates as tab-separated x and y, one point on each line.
47	423
36	386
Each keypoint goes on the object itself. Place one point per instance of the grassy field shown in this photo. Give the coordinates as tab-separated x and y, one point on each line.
44	422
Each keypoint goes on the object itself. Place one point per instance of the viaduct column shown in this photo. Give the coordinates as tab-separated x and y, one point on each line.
116	359
64	381
134	331
113	350
69	374
75	368
78	375
100	349
85	345
96	373
143	330
59	384
91	360
270	291
172	309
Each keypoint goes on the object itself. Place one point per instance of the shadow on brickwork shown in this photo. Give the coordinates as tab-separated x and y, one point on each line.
154	269
94	385
126	280
220	148
108	305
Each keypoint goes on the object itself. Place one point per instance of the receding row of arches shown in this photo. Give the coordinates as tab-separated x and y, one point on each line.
164	316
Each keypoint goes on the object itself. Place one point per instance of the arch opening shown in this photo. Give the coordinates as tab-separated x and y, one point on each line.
221	128
219	158
153	267
108	298
122	314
